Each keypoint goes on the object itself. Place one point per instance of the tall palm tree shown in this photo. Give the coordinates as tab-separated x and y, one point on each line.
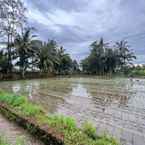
97	56
23	45
47	57
124	53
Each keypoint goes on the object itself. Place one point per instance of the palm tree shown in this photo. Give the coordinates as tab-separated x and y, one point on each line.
97	56
126	56
47	57
23	45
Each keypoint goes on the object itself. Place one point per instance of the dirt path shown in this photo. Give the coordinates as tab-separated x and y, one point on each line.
15	134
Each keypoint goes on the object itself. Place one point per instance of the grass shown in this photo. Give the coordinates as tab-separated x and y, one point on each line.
86	135
89	129
19	141
20	103
2	141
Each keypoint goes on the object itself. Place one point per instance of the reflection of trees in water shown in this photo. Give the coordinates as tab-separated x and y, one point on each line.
50	94
78	104
105	96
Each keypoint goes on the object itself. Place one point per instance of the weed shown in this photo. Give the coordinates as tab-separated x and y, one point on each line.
89	129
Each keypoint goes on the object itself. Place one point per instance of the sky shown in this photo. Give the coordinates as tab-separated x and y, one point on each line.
75	24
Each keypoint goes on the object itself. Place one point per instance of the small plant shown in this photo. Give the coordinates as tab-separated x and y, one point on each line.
11	99
30	109
21	103
60	120
89	129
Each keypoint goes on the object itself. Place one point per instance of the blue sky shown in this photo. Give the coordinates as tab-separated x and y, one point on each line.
76	23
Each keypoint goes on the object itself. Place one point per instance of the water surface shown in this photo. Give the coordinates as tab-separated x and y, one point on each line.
116	106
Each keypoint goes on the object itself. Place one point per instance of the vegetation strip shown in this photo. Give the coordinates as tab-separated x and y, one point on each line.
45	135
3	142
51	129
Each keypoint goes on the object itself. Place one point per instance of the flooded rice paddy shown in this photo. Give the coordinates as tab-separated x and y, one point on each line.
115	106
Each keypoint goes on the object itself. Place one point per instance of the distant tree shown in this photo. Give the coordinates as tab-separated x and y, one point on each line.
75	67
11	21
47	56
65	62
103	59
95	61
126	56
23	45
3	62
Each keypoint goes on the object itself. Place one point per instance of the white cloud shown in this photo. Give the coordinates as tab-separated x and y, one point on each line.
75	26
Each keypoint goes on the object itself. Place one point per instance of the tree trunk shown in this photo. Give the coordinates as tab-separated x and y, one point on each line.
9	55
22	73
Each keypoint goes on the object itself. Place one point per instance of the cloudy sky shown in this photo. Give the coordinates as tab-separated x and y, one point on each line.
76	23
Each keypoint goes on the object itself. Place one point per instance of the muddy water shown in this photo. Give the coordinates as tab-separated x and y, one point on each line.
116	106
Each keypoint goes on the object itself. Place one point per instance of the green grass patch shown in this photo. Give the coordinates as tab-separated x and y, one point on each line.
89	129
86	135
20	103
3	142
19	141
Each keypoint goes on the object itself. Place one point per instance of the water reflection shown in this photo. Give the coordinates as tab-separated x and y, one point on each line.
116	106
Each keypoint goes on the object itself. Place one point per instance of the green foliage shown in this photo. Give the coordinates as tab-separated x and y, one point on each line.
2	141
13	100
19	141
65	62
89	129
106	140
21	103
62	121
47	56
24	51
137	72
104	59
30	109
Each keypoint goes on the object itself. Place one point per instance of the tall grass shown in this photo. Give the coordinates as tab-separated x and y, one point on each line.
20	103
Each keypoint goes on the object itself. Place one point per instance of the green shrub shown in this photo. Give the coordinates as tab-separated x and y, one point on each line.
138	72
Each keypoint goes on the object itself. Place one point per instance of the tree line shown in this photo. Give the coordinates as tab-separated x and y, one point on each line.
104	58
22	51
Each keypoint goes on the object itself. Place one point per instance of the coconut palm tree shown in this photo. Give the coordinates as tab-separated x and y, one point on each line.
23	45
126	56
47	57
